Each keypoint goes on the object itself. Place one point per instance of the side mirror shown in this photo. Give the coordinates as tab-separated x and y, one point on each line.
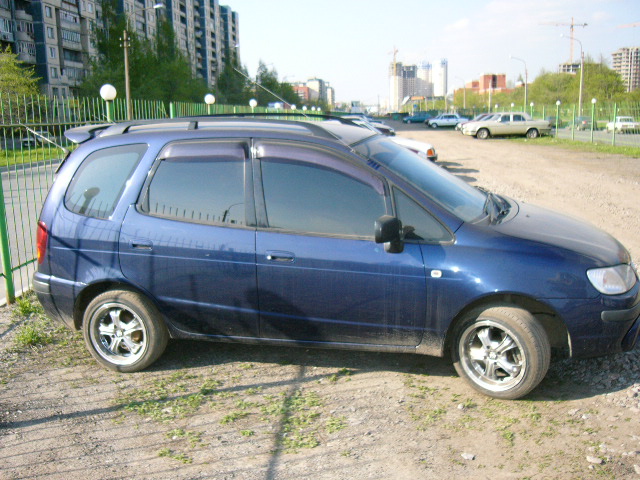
388	230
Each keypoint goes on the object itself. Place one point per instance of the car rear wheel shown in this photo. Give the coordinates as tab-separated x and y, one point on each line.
502	352
482	134
533	133
124	331
433	125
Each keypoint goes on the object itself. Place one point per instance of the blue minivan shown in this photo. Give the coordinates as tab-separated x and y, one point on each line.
318	233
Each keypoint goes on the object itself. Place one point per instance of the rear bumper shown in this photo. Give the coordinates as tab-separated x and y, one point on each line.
42	286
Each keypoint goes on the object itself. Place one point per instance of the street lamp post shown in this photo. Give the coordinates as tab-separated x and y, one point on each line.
108	94
526	80
593	116
209	99
464	93
531	105
558	102
126	45
581	73
253	103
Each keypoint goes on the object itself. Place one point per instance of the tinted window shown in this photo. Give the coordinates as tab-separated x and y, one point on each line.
199	189
311	198
417	222
518	118
100	180
446	190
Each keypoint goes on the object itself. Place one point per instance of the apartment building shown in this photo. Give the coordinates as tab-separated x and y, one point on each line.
423	80
56	36
626	61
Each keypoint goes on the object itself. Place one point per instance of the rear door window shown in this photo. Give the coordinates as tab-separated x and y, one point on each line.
100	180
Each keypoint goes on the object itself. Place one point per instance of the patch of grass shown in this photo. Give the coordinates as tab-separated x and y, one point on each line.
298	414
33	334
569	144
194	438
232	417
247	433
27	305
343	372
180	457
335	424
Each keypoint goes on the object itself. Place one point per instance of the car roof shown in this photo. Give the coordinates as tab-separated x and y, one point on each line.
324	127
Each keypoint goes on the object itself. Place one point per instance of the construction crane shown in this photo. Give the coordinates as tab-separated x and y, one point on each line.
571	26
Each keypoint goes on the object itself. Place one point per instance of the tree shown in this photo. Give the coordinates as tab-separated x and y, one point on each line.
232	87
157	69
15	77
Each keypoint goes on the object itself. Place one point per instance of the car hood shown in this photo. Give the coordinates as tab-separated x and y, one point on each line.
545	226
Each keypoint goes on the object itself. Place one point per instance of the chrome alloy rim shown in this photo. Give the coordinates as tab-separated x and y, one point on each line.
118	334
491	356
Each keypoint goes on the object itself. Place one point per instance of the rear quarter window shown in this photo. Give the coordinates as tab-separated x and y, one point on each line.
98	184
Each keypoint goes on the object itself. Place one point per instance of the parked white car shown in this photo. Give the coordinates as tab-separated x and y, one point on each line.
623	125
507	123
422	149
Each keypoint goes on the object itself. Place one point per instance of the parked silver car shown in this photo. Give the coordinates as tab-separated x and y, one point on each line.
507	123
446	120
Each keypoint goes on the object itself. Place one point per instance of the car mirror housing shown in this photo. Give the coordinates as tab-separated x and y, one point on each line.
388	230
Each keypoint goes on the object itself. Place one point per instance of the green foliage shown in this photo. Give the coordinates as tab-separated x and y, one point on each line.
157	68
599	81
15	77
33	334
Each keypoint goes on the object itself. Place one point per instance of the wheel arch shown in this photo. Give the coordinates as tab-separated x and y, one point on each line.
552	323
92	291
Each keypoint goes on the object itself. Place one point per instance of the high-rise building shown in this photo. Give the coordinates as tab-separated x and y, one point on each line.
416	81
626	61
56	35
440	78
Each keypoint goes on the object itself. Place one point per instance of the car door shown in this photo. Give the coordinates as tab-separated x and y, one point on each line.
190	240
321	276
519	124
503	125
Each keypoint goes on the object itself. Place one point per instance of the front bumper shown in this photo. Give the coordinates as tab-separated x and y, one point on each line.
603	325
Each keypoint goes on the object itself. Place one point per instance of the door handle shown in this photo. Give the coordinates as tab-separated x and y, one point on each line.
141	244
282	257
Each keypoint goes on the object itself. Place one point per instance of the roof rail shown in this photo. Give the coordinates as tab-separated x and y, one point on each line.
87	132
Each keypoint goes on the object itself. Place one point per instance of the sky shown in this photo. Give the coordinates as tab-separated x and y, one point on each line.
350	43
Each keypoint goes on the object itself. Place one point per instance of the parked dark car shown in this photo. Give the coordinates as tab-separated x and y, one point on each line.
318	234
583	123
418	117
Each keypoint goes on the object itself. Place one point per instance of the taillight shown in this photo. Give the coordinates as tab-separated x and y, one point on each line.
42	236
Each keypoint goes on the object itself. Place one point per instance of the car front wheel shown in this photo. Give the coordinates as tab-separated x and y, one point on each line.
502	352
433	125
124	331
482	134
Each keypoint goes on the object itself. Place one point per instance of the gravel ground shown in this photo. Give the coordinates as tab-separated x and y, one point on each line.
245	412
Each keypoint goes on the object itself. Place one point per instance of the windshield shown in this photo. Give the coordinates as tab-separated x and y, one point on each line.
448	191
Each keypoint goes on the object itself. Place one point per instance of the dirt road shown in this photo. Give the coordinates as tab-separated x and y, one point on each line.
244	412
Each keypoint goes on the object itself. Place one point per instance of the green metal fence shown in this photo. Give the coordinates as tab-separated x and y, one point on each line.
594	122
31	137
32	134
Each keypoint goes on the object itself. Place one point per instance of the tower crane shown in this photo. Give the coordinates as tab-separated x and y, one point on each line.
571	26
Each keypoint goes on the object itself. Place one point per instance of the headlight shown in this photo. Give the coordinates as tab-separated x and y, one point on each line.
612	280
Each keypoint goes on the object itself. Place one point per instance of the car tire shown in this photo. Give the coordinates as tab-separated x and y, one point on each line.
433	125
124	331
482	134
502	351
533	133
